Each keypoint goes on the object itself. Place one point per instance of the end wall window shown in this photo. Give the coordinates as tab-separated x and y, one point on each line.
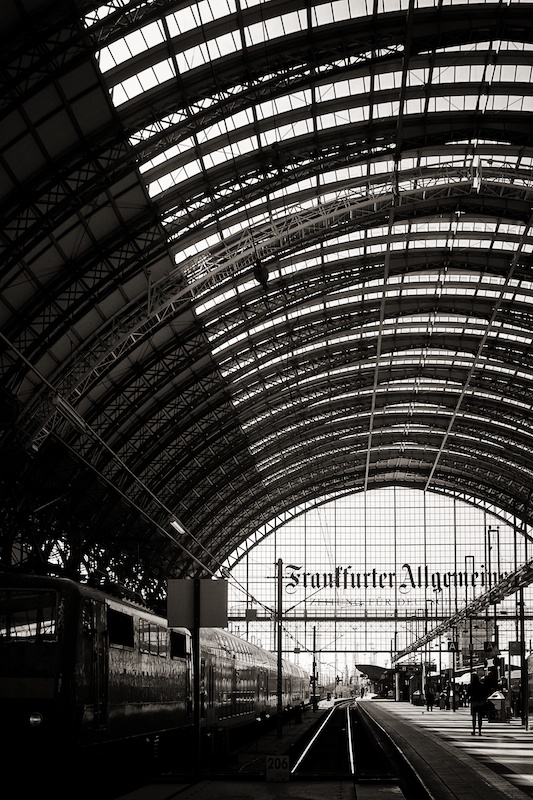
120	628
178	645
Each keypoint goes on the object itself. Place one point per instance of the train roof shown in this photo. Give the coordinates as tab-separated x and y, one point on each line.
214	637
119	597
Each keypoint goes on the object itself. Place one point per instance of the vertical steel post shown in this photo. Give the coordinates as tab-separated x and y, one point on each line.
280	650
524	677
315	705
454	634
196	676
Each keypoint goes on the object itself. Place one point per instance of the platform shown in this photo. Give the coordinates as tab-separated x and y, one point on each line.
454	764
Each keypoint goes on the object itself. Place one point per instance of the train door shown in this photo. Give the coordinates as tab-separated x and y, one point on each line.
259	699
235	675
95	628
210	693
203	689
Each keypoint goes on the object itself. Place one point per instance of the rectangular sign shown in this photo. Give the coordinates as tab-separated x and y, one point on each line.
213	596
277	768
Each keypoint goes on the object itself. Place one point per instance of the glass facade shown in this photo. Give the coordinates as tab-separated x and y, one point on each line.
364	576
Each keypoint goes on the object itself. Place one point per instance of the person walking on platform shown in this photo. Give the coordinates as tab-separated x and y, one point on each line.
478	694
430	697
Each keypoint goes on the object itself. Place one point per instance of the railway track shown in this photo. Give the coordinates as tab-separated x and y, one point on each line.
330	750
344	748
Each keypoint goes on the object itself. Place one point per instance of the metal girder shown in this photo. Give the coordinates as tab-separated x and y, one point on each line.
188	385
167	298
506	587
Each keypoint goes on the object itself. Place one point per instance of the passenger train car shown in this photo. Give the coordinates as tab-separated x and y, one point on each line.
84	672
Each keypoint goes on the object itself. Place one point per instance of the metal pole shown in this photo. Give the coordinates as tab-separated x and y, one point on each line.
470	643
280	650
196	675
315	705
454	634
524	678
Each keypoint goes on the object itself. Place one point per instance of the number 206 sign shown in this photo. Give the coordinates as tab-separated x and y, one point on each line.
277	768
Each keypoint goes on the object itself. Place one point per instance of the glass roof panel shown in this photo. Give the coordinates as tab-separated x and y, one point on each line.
272	109
143	81
131	45
195	158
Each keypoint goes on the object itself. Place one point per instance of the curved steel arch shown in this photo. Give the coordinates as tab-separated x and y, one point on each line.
256	334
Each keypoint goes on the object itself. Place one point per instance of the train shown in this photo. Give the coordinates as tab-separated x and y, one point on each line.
95	677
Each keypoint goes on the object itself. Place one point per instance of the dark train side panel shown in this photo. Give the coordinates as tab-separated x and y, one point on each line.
81	669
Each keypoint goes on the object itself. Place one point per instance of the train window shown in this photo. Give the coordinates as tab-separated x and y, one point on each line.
87	617
178	645
120	628
163	642
152	638
26	614
145	642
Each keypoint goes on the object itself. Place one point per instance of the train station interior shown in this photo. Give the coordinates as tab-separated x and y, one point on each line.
266	318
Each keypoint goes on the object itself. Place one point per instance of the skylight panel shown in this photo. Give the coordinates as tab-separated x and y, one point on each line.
229	152
226	43
275	27
131	45
143	81
196	14
393	327
175	176
388	80
393	5
417	77
284	132
456	102
197	248
509	102
279	105
338	10
230	124
384	110
166	155
414	105
353	172
513	73
205	11
182	21
274	109
448	284
335	119
193	57
294	188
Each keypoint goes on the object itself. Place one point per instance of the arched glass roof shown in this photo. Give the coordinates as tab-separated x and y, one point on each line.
256	253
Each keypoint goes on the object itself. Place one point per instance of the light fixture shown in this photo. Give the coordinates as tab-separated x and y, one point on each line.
178	526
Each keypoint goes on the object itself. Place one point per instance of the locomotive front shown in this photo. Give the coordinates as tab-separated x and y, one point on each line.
37	662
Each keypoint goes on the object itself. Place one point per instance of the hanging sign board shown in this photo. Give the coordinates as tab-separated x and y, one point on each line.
515	648
213	612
